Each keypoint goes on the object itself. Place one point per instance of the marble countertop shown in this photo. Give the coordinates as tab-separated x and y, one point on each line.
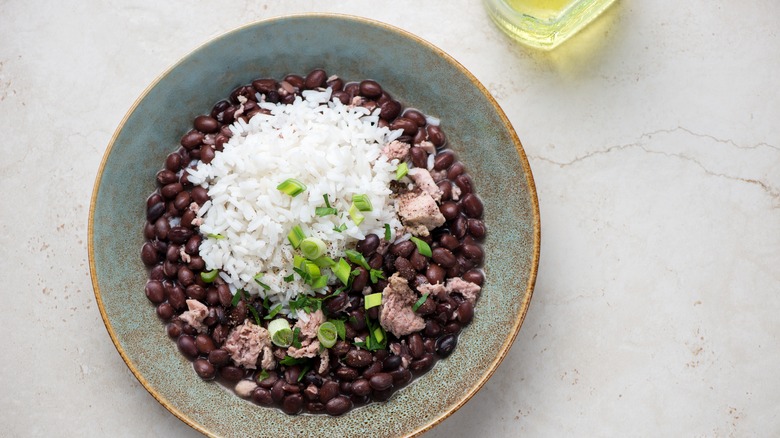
653	138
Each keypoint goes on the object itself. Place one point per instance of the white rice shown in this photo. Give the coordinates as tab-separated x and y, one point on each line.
331	148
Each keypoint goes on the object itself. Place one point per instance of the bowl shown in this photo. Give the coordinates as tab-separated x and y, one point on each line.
412	70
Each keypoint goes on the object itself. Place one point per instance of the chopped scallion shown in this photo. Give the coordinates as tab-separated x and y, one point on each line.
342	271
379	334
325	197
311	269
420	302
289	278
274	311
296	342
255	315
362	202
401	170
357	258
209	276
373	300
296	236
376	274
298	260
263	285
325	211
340	228
312	247
319	282
215	236
324	262
422	247
237	297
327	334
388	234
355	214
291	186
281	333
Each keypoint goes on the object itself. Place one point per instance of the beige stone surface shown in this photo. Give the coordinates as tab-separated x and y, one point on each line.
653	137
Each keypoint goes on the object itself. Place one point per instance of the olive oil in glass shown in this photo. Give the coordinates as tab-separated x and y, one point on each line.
544	23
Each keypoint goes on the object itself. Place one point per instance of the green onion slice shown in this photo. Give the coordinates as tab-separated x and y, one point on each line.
312	247
388	234
255	315
401	170
209	276
262	375
342	271
340	228
379	334
257	280
355	214
292	187
325	197
420	302
296	236
319	282
362	202
422	247
296	342
327	334
311	269
237	297
289	278
324	262
325	211
281	333
274	311
215	236
373	300
357	258
375	275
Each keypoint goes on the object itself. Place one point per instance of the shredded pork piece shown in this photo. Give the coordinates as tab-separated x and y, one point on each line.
396	314
195	315
246	342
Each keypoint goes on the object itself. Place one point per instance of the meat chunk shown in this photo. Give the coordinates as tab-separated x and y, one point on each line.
396	314
470	291
396	150
309	324
424	180
246	342
324	362
268	362
195	315
244	388
434	290
419	212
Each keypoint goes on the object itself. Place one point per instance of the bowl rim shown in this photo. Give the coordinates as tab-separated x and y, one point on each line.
518	322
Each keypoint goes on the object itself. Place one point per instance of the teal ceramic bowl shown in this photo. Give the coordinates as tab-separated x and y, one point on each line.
412	70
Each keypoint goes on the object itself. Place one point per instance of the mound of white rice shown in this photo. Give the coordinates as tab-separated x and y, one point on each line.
331	148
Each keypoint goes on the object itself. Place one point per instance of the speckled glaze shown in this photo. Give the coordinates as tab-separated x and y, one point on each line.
412	70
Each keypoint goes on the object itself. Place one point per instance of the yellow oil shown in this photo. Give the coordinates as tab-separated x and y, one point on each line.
544	23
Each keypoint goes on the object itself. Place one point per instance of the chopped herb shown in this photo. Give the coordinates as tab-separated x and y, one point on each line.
292	187
325	211
327	203
266	303
296	342
209	276
263	285
237	297
357	258
306	303
362	202
340	328
373	300
342	271
355	214
274	311
296	236
262	376
376	274
289	361
215	236
289	278
422	247
420	302
340	228
304	370
388	235
401	170
377	337
254	313
312	247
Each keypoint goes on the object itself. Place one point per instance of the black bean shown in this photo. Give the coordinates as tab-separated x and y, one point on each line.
391	363
408	126
361	280
174	329
373	313
185	276
416	345
361	387
179	234
420	136
336	83
465	312
338	405
459	226
269	381
435	135
155	211
347	373
290	388
157	273
443	160
419	262
472	205
149	229
405	268
207	154
423	364
432	329
477	228
296	81
238	313
416	116
446	344
187	346
176	297
204	343
149	255
342	96
375	368
456	169
383	395
419	157
368	246
389	110
315	79
199	195
401	376
452	328
186	219
311	393
435	273
277	391
345	388
264	85
474	276
173	162
446	190
155	291
443	257
473	253
403	249
231	373
218	357
291	374
181	201
358	358
329	390
464	183
447	240
206	124
165	311
204	369
369	88
449	210
381	381
192	139
262	396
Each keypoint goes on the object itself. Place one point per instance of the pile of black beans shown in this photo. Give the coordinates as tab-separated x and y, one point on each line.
355	376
